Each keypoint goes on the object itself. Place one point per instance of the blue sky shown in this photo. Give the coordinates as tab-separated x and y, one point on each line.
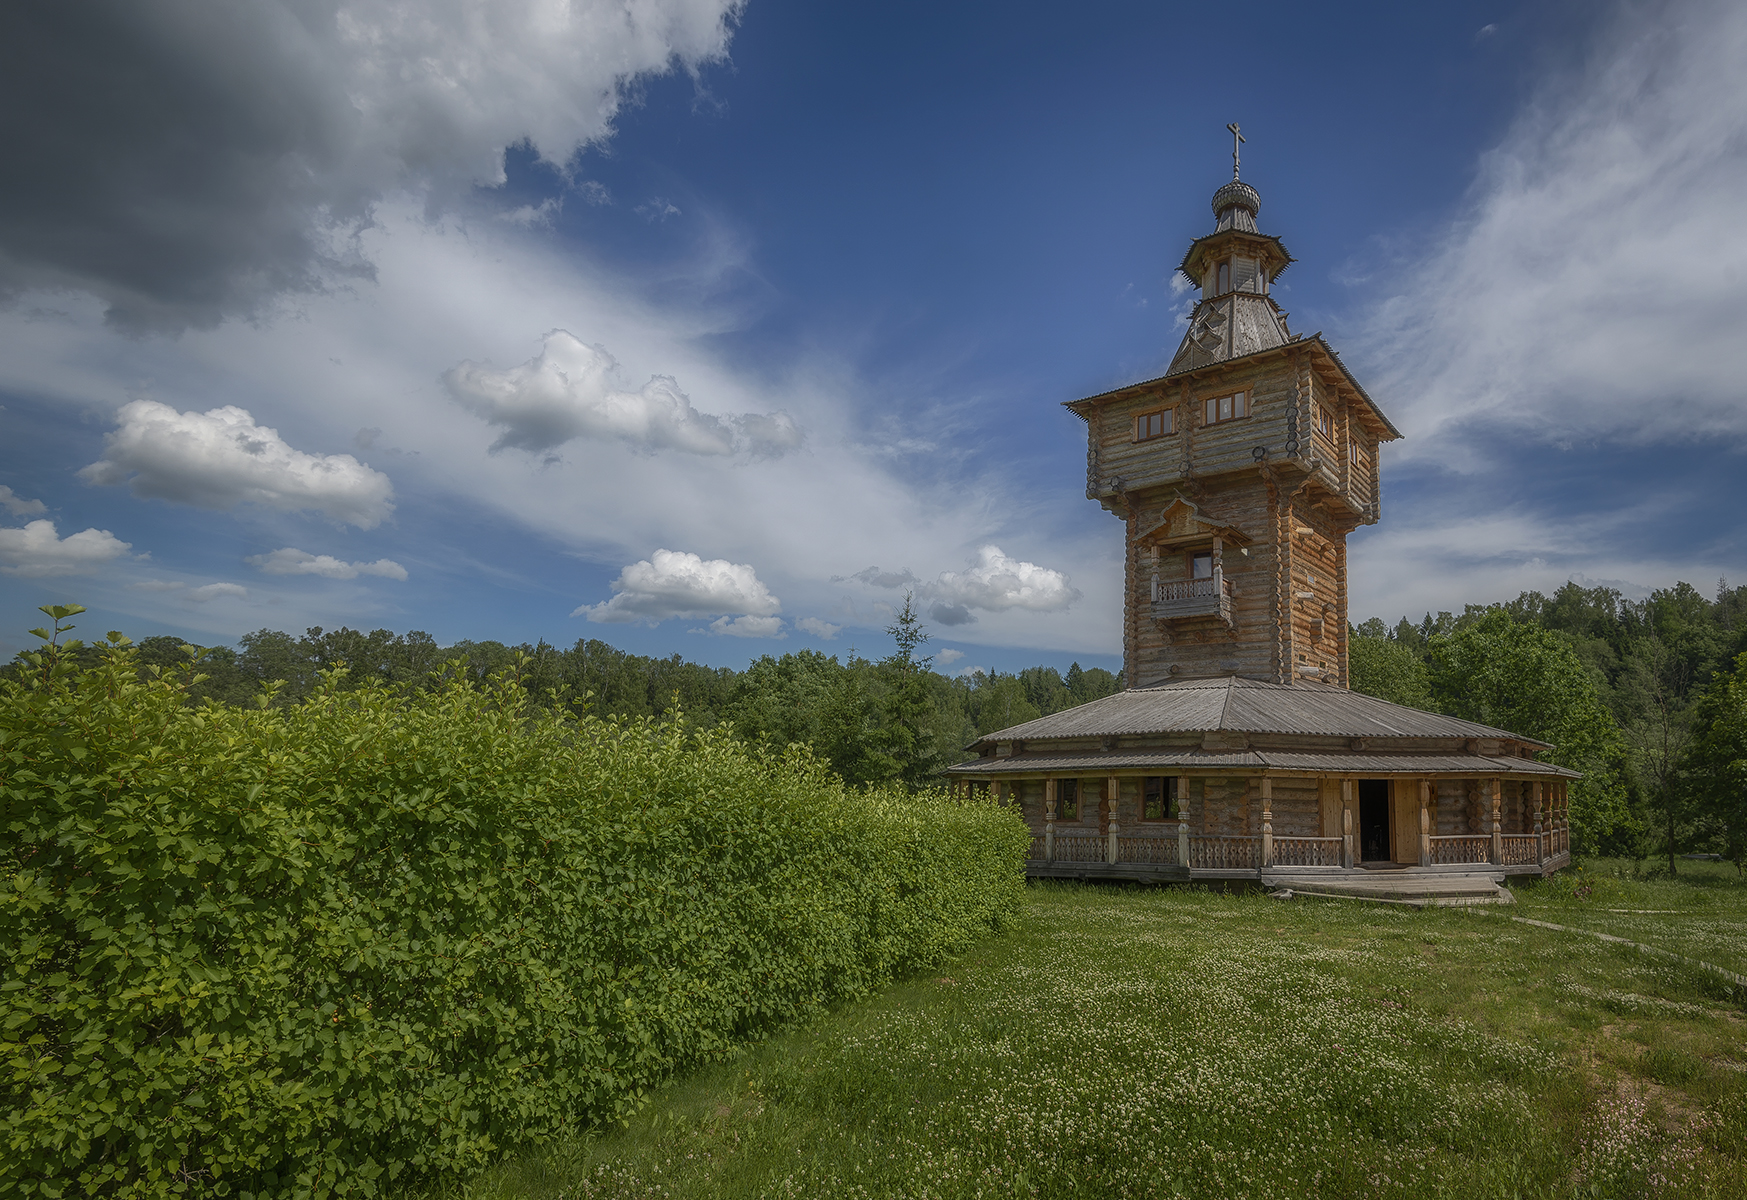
710	329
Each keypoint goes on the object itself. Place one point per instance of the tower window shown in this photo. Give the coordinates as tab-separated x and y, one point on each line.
1149	425
1224	284
1325	423
1201	566
1227	408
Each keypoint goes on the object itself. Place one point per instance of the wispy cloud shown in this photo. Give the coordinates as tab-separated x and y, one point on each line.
1593	288
291	561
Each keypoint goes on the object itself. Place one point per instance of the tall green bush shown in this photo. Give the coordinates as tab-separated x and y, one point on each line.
296	950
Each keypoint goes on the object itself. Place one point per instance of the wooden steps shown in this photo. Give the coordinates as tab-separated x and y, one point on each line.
1398	887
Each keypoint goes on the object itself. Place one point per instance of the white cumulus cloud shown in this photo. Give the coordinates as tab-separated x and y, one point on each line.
291	561
573	390
948	656
676	583
994	583
220	459
18	506
825	631
35	552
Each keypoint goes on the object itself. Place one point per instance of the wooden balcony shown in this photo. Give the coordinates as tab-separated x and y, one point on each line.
1193	598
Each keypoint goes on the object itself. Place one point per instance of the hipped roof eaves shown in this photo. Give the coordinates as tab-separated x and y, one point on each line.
1092	763
1234	704
1235	233
1301	340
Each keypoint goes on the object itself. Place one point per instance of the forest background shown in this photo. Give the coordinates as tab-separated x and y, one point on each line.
1648	698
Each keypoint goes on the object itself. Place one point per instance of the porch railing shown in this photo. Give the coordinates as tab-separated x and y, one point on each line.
1459	848
1212	852
1521	850
1307	851
1037	847
1080	847
1147	848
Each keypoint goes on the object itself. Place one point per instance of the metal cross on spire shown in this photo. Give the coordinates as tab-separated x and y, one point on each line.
1236	139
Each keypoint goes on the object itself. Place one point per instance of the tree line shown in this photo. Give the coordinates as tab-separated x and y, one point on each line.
889	720
1647	697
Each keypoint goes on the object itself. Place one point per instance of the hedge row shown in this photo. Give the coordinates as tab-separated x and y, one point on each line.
301	951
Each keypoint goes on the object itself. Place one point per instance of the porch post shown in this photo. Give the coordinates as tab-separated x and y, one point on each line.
1267	821
1493	786
1540	838
1182	839
1049	820
1347	823
1425	823
1115	786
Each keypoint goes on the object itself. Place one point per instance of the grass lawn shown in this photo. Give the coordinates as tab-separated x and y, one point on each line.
1701	913
1161	1042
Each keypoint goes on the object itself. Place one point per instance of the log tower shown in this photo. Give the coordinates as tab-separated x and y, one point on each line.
1239	474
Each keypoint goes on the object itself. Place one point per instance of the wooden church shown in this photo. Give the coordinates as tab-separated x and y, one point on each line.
1236	750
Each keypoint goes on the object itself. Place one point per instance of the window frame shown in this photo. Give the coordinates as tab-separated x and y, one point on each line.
1070	796
1325	423
1192	557
1170	801
1169	413
1240	401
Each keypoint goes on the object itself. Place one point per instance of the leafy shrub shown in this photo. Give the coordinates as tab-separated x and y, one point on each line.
297	950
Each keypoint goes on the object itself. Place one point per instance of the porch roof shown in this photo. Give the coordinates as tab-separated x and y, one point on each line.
1092	763
1238	705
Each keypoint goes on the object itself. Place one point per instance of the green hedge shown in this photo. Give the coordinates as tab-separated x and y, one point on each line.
300	951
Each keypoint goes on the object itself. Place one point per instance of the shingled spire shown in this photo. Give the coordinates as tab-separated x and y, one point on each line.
1233	266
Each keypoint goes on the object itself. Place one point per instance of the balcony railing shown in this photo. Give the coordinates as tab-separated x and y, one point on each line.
1192	598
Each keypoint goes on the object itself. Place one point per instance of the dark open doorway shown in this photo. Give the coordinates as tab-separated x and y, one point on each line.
1374	845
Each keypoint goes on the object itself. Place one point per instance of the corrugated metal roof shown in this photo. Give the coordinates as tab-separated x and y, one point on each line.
1094	763
1239	705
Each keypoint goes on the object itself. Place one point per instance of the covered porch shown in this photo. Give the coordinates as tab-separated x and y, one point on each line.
1292	829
